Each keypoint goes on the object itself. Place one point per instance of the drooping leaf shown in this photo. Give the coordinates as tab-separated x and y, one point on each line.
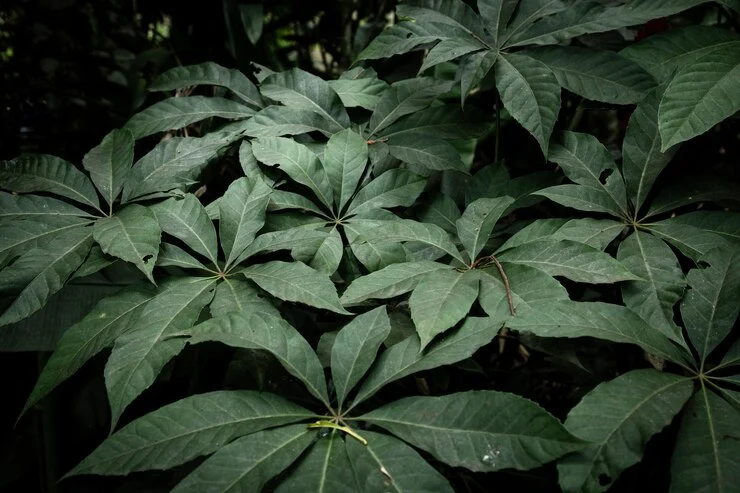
481	431
187	220
709	309
45	270
295	281
576	261
702	94
355	348
47	209
394	188
241	216
212	74
43	173
275	121
261	330
619	417
662	283
188	428
426	151
707	448
178	112
565	318
131	234
388	463
530	92
408	230
140	354
247	463
298	162
477	222
109	163
345	158
389	282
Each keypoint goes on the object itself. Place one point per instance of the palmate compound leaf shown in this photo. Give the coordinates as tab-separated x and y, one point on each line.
110	162
619	417
131	234
359	87
241	216
191	427
186	219
389	282
295	281
377	253
110	318
440	300
386	463
710	307
405	357
345	158
707	447
477	222
263	330
426	151
44	270
565	318
44	173
480	430
701	95
598	233
247	463
355	347
394	188
141	352
275	121
235	295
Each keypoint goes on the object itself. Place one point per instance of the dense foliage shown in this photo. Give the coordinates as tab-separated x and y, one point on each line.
383	267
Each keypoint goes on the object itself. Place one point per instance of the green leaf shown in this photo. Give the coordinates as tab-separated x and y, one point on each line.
297	161
345	158
530	92
405	358
282	200
642	158
211	74
405	97
697	187
446	121
402	38
394	188
246	464
477	222
327	256
408	230
576	261
173	164
662	283
186	429
355	348
133	235
472	69
662	53
619	417
46	269
527	13
142	351
43	173
325	468
565	318
174	256
723	223
275	121
689	240
598	233
298	238
362	92
386	462
582	198
299	89
110	318
709	309
447	12
234	295
186	219
480	431
19	207
376	254
426	151
253	20
440	300
587	162
389	282
595	74
20	236
241	215
261	330
441	211
449	49
496	14
701	95
295	281
179	112
705	457
109	163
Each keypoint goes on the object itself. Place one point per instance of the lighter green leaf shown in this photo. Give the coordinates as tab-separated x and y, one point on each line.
389	282
191	427
187	220
582	198
295	281
178	112
241	216
345	158
246	464
355	348
275	121
701	95
394	188
480	431
530	92
378	253
327	256
408	230
426	151
477	222
44	173
234	295
363	92
281	200
619	417
133	235
109	163
565	318
388	464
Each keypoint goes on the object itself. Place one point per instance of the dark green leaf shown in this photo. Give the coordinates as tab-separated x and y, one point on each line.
426	151
234	295
110	162
477	222
345	158
389	282
408	230
394	188
241	216
19	207
187	220
275	121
